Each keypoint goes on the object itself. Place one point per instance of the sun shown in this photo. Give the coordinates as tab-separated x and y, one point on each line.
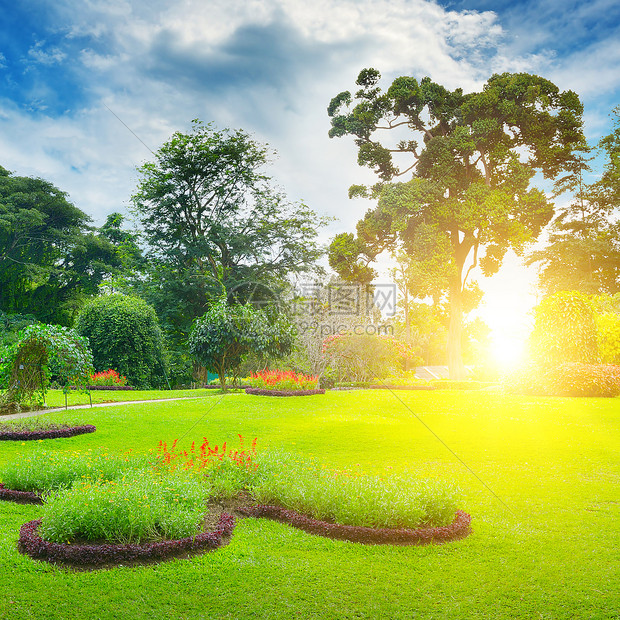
508	350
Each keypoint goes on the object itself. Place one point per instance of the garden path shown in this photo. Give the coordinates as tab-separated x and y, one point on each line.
29	414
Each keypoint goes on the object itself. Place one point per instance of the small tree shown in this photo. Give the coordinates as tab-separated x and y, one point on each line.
24	368
364	357
225	334
565	330
124	334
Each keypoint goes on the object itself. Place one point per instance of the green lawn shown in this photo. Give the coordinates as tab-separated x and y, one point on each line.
554	553
56	398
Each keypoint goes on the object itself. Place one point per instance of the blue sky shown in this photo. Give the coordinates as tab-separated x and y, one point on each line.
269	67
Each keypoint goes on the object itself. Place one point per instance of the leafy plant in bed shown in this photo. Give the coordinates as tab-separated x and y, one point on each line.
349	505
143	516
35	429
35	475
283	383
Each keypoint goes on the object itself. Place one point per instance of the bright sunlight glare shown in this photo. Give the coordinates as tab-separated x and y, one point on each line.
507	350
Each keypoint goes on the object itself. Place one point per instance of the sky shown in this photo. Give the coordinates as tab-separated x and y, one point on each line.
88	88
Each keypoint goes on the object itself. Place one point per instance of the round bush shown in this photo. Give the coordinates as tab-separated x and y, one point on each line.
575	379
570	379
124	334
565	330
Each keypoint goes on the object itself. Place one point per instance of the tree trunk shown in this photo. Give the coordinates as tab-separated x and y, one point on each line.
455	331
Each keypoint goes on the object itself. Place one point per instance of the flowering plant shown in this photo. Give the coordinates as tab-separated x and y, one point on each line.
108	377
283	380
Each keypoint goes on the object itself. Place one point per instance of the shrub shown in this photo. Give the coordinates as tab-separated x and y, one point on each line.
575	379
570	379
124	334
109	377
565	330
609	337
283	380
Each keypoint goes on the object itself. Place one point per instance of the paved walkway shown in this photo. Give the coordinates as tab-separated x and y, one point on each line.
30	414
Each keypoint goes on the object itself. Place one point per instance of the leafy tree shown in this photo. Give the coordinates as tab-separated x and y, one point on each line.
583	251
364	357
124	335
471	158
49	259
214	223
565	330
131	262
224	335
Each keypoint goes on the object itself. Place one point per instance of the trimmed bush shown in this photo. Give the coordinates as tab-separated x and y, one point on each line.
570	379
565	330
124	334
584	380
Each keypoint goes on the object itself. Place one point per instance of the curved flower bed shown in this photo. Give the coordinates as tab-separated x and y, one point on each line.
21	497
55	433
459	528
264	392
32	544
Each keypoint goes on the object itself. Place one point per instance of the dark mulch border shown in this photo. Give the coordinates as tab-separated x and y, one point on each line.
459	528
262	392
70	431
20	497
30	543
94	388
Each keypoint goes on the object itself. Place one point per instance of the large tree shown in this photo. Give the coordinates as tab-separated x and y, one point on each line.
50	259
469	159
583	251
215	224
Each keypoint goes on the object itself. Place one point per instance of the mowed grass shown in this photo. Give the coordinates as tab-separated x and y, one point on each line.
541	479
56	398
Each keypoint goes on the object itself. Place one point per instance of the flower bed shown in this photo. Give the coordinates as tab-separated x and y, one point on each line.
53	433
266	392
30	543
459	528
20	497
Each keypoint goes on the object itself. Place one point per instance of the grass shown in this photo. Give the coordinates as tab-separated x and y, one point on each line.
548	549
56	398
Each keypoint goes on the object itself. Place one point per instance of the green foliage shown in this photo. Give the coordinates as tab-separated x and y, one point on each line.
564	330
469	201
49	259
214	224
140	507
350	497
225	334
609	337
568	379
44	471
124	334
365	357
41	351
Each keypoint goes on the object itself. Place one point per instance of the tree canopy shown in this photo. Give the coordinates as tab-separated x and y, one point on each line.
470	159
214	223
224	335
50	260
583	250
